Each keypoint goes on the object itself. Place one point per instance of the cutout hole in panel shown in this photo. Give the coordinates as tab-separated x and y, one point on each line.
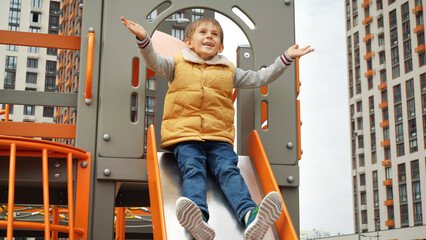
134	108
244	17
264	115
135	72
158	10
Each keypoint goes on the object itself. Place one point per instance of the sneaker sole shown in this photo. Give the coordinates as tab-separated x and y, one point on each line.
269	211
190	217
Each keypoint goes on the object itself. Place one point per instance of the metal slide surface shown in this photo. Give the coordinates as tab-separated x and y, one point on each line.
222	217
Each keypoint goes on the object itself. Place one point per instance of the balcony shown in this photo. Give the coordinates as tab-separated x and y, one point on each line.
418	9
57	113
385	143
420	48
388	203
387	182
366	3
367	20
368	37
67	118
390	223
59	82
369	55
386	162
419	29
383	105
370	73
384	123
68	83
382	85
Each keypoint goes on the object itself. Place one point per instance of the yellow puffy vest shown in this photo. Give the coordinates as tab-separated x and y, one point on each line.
198	105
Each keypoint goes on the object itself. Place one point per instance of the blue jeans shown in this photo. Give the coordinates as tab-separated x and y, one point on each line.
193	157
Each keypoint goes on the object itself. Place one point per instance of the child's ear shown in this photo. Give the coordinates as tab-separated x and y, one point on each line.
220	50
188	43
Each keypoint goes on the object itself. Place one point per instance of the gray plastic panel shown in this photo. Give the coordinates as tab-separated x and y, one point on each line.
222	218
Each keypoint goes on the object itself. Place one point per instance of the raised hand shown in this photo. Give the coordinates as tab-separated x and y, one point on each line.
294	51
135	28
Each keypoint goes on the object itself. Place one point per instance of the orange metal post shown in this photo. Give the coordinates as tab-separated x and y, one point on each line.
70	197
284	224
43	130
46	194
82	190
11	199
120	223
89	69
155	192
55	221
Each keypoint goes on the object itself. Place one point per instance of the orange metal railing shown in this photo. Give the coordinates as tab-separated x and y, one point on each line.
89	69
5	112
78	213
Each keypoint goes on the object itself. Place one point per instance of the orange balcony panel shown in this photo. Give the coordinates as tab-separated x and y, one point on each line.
367	20
382	86
69	65
57	113
72	15
419	28
385	143
420	48
67	118
384	123
59	82
366	3
368	37
387	182
68	83
370	73
390	223
386	162
383	105
62	19
369	55
418	9
388	202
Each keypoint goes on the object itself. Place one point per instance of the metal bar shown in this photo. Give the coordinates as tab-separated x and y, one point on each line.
11	199
83	195
40	226
43	130
70	197
39	40
54	99
89	69
55	220
46	194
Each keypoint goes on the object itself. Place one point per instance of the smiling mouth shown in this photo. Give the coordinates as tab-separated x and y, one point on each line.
208	44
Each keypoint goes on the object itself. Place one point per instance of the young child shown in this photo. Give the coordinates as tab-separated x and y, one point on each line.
198	124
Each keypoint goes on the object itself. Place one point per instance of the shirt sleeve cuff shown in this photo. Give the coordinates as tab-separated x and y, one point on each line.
286	59
142	44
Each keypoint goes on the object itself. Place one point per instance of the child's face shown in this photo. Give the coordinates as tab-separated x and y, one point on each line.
206	41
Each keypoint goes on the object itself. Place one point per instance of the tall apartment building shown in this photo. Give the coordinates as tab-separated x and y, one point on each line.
29	68
387	98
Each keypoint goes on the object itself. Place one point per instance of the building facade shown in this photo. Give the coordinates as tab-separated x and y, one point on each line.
29	68
387	100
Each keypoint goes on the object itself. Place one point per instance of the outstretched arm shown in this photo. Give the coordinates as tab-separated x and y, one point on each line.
294	51
135	28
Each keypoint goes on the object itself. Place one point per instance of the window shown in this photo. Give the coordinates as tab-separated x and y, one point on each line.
355	11
373	157
393	37
417	212
386	133
412	128
387	153
413	146
350	60
385	114
379	4
31	78
400	151
411	108
373	141
363	198
416	190
376	198
389	174
29	110
361	145
423	82
9	80
49	85
364	217
380	22
51	67
405	11
32	63
403	193
11	63
36	3
150	104
362	179
35	17
375	179
178	33
356	39
150	83
15	4
401	172
357	57
370	83
404	214
48	111
399	132
372	122
392	19
395	56
199	13
14	17
359	123
382	58
398	113
410	88
371	103
383	76
415	174
359	106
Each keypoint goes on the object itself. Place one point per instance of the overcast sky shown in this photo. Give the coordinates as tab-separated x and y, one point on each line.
325	186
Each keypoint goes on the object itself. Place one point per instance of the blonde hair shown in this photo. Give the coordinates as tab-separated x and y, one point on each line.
190	30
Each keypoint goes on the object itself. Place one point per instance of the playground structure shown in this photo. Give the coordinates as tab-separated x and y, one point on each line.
113	157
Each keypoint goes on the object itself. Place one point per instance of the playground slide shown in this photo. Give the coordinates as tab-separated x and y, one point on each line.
165	188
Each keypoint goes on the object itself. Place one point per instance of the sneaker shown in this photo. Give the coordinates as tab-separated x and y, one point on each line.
191	218
263	216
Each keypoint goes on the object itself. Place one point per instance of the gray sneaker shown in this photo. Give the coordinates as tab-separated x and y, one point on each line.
191	218
263	216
